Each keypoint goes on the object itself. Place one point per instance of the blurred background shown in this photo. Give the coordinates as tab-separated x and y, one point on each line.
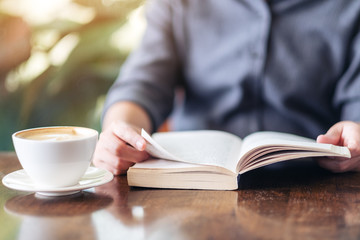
58	59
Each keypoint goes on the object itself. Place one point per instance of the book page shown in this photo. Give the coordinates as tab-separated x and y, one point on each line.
264	148
259	139
164	164
273	138
204	147
155	149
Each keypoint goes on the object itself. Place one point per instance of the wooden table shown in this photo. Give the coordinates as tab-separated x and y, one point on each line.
287	201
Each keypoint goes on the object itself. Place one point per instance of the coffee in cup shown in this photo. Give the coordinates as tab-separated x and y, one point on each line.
55	157
52	134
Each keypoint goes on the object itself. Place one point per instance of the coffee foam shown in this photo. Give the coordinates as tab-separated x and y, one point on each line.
51	134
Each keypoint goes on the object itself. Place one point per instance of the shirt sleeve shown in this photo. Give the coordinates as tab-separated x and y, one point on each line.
149	75
347	92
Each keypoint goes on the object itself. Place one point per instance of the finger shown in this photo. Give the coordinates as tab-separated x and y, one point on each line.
351	135
333	135
111	169
130	154
329	139
120	149
336	165
114	164
344	133
128	134
340	164
103	158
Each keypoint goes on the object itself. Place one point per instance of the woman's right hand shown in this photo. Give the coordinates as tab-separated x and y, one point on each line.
119	147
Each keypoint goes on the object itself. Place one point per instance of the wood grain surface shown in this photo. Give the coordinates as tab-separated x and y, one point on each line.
285	201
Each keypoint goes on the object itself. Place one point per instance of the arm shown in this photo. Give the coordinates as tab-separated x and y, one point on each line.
120	145
142	96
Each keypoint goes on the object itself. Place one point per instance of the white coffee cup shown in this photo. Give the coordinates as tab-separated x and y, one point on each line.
55	157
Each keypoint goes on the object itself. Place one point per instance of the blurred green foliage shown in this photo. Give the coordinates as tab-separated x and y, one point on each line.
70	93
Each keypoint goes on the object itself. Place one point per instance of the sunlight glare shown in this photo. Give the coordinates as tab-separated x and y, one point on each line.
60	53
36	65
46	39
11	82
34	11
129	35
78	13
138	212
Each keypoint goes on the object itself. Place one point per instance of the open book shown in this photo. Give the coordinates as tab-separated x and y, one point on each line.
209	159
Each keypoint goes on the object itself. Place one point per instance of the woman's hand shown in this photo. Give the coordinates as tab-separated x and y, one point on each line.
346	134
120	146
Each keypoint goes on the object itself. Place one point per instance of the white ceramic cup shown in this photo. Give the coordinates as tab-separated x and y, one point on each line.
55	157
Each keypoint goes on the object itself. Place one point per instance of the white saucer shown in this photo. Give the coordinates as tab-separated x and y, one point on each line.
93	177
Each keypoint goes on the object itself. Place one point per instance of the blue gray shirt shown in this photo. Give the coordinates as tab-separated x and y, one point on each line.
246	65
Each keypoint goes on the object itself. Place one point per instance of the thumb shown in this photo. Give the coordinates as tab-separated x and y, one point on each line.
333	136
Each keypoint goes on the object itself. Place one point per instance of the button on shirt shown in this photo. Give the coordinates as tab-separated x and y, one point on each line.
244	66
